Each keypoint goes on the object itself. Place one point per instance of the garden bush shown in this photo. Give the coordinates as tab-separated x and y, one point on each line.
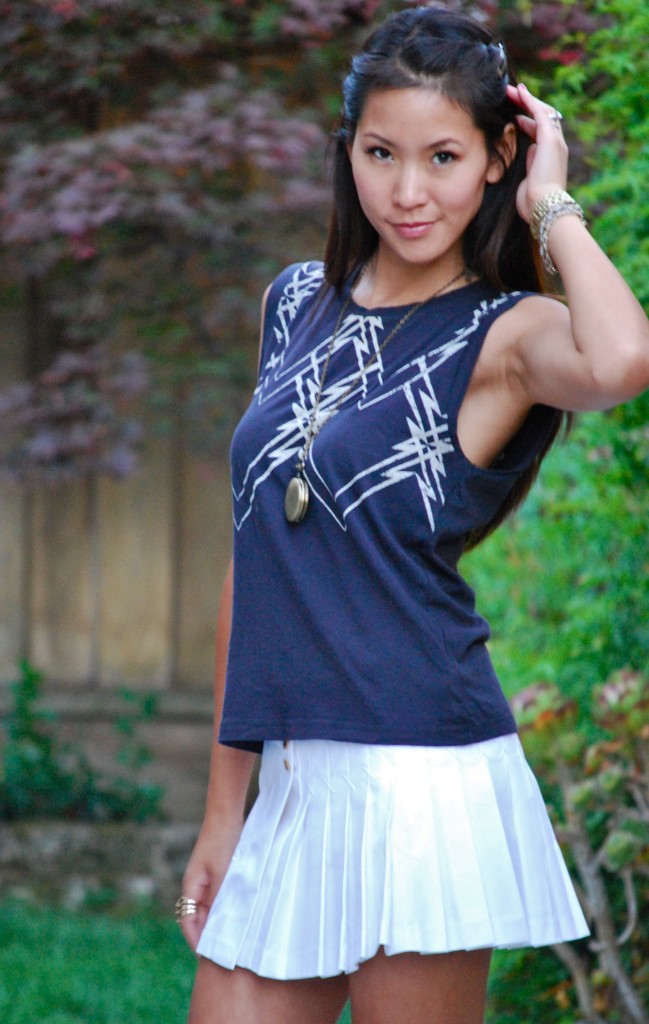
41	777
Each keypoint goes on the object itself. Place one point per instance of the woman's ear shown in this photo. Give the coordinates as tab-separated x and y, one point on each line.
504	156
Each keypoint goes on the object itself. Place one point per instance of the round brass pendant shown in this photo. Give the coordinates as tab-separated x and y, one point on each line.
296	501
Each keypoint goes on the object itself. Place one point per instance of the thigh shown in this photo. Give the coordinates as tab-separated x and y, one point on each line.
445	988
221	996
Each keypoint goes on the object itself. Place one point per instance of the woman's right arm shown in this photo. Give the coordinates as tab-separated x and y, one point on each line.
229	777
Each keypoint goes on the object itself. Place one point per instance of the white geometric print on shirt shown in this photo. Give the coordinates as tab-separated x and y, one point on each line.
419	454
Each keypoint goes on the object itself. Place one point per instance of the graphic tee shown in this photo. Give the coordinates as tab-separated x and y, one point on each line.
355	624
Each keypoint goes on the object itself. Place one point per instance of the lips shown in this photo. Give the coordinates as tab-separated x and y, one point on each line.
413	230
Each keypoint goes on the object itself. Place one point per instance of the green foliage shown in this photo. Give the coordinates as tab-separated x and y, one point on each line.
600	802
604	100
42	778
566	584
529	987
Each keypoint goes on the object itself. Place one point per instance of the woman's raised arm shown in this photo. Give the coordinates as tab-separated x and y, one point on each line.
595	353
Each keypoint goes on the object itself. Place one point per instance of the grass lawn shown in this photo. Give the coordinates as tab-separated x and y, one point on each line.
102	967
60	967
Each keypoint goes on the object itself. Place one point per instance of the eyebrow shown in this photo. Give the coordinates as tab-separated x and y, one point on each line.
388	142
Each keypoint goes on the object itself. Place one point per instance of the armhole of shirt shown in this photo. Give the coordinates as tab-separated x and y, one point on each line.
533	434
484	315
531	437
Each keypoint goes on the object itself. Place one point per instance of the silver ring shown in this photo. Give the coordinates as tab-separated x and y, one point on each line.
556	117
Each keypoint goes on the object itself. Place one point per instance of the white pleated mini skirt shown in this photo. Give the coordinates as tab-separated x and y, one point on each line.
350	847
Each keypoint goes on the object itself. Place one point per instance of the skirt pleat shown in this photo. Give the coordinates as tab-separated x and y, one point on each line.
352	847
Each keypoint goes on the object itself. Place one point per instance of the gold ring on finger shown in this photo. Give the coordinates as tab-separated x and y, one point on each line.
185	907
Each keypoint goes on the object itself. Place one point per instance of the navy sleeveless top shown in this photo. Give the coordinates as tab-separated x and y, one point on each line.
355	623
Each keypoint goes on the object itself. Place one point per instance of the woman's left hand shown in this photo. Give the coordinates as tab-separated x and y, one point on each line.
547	157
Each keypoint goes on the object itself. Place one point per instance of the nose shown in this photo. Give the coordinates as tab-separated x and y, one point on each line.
410	187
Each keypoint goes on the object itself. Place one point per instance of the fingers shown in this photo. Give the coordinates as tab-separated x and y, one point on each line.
531	153
192	918
547	157
197	888
203	877
538	115
527	125
192	926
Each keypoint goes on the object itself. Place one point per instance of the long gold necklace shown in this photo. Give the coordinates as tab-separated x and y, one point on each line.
296	501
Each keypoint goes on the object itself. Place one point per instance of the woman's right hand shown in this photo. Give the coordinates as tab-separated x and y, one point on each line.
205	871
547	157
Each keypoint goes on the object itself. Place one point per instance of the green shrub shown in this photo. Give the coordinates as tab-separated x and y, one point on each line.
565	584
43	778
598	794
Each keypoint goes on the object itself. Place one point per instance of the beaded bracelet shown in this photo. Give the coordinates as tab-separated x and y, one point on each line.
551	206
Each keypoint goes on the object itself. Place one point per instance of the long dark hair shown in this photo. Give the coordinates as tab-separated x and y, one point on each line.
437	48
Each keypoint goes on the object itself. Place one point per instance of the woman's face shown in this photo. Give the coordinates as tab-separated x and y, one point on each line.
420	167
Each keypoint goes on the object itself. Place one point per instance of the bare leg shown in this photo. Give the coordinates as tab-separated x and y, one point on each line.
446	988
241	997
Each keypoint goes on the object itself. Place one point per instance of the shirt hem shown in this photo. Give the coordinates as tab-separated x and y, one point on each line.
247	738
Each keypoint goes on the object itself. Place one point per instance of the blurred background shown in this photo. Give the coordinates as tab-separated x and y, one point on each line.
160	163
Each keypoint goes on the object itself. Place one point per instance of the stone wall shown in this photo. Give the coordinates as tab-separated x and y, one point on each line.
80	864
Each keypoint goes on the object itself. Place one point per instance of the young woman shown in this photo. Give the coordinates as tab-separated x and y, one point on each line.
408	390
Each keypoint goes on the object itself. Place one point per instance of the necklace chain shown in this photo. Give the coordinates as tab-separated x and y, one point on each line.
313	428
